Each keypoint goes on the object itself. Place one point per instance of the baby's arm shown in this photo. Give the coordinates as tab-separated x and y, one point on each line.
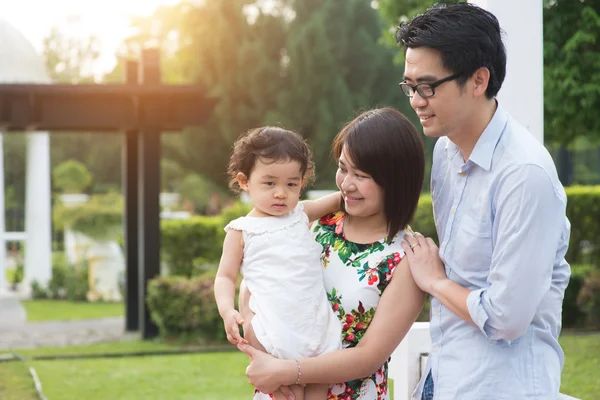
229	267
315	209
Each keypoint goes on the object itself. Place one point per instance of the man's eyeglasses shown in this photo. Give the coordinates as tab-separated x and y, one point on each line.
425	90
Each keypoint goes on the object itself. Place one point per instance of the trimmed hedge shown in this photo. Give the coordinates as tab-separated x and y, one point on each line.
189	244
583	211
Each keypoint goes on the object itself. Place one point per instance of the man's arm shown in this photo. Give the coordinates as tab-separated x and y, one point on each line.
529	221
530	216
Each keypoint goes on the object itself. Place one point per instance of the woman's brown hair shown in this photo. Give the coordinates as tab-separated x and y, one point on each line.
386	145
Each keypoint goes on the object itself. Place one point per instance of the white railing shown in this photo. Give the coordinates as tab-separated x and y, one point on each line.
409	361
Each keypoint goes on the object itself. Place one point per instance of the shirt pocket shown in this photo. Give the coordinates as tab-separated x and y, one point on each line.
473	243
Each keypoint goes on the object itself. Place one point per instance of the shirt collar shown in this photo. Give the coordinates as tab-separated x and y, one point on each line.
486	144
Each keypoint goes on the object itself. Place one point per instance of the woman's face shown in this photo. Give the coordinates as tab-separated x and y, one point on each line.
362	196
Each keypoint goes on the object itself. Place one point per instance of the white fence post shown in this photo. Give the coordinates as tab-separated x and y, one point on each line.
407	363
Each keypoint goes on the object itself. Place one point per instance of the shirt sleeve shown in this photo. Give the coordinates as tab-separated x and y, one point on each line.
529	220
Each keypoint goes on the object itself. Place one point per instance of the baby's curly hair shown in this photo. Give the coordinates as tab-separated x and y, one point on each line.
269	144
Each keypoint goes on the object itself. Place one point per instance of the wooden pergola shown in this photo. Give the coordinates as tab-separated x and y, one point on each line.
142	108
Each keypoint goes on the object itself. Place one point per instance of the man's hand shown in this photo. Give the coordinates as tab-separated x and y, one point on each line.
424	261
232	319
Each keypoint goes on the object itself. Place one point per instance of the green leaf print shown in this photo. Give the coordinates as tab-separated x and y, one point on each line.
325	237
342	249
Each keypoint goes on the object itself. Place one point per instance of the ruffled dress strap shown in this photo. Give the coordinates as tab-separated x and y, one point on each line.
260	225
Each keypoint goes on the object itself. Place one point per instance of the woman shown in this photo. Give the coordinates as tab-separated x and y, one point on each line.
380	173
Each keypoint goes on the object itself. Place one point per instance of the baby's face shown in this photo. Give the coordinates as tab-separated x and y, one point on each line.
274	186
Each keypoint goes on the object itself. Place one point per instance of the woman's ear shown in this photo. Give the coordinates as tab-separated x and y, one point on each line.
242	180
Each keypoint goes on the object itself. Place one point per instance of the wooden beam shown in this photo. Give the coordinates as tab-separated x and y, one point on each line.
148	195
110	107
130	188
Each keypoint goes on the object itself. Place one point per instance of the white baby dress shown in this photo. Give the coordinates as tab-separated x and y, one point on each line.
283	272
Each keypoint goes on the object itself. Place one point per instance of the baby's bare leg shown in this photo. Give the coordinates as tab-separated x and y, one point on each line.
247	315
316	391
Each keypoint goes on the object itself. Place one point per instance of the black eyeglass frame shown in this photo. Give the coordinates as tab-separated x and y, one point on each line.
407	87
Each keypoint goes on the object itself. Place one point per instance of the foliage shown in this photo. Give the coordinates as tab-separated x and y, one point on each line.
101	218
234	211
68	282
197	190
589	298
573	315
327	78
70	59
583	211
571	70
71	176
15	276
188	246
185	307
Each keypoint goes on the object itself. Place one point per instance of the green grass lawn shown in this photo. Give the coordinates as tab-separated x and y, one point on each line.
15	382
206	376
53	310
582	363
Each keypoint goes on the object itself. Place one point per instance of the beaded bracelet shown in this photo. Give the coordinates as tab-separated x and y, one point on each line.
299	373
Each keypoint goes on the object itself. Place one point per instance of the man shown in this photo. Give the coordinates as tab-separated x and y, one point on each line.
497	280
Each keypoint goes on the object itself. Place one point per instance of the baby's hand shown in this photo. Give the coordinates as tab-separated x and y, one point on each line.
232	320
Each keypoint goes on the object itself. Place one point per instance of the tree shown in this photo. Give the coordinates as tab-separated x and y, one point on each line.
71	59
571	70
335	67
237	59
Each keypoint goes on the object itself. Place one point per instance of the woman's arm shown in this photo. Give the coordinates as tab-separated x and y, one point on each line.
229	267
397	310
315	209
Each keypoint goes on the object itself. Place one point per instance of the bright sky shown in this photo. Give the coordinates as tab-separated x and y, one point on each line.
107	19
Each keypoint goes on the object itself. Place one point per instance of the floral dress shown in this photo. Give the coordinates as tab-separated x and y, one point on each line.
355	277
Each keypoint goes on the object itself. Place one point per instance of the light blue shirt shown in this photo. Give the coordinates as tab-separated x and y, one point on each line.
503	231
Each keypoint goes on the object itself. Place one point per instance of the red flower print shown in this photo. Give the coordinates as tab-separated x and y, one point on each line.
350	319
350	337
331	219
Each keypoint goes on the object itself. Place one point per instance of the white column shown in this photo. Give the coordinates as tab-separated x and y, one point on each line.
38	248
2	222
522	93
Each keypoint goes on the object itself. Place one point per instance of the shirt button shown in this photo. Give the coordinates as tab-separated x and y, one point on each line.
453	210
462	174
436	312
436	348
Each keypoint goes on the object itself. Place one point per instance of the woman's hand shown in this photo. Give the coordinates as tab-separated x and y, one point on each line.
265	372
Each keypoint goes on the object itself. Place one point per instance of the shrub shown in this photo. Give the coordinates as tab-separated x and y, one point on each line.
185	308
583	211
589	298
71	176
188	245
572	315
101	218
67	282
236	210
